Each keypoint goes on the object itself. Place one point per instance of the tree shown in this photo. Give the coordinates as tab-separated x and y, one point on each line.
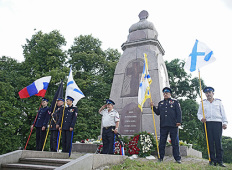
10	115
93	71
43	52
43	57
227	147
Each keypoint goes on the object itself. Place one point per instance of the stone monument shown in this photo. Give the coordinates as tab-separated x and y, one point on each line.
142	39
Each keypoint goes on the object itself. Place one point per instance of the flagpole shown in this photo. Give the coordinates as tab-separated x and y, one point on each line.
61	127
48	128
206	136
154	126
33	127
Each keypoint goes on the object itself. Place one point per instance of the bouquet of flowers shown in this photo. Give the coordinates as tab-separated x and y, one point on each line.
117	148
99	149
132	145
181	143
146	144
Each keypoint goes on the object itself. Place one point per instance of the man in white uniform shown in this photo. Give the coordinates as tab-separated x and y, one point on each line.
216	120
110	123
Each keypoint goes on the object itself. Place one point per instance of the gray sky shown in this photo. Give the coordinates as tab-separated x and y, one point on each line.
178	22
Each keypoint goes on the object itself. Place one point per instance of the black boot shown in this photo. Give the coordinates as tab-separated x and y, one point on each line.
212	163
160	160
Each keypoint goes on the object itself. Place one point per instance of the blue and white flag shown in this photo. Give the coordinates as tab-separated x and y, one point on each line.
200	56
73	90
144	86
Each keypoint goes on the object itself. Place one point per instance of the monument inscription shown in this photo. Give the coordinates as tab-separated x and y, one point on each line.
130	119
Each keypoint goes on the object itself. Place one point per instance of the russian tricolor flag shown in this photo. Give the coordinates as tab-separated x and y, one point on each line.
38	88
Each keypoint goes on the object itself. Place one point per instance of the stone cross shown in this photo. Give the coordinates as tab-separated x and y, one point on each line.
134	72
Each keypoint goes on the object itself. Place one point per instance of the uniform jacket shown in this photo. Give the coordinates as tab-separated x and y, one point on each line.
109	118
43	117
70	117
55	117
213	111
169	111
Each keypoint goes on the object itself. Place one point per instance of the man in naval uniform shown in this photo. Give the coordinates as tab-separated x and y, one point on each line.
110	124
216	120
41	124
54	127
170	118
69	121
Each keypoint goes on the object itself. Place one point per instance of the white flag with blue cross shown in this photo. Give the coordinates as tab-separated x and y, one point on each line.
73	90
200	56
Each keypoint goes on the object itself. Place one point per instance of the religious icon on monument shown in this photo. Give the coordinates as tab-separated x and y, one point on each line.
132	76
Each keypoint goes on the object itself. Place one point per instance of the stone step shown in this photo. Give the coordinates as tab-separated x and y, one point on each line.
44	161
14	166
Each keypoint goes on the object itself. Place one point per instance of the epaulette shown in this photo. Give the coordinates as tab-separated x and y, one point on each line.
204	99
218	99
173	99
161	101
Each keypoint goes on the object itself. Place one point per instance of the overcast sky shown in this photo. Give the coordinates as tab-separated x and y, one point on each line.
178	22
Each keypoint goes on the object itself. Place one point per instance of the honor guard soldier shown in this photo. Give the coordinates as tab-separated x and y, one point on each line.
216	120
54	127
41	124
69	121
170	118
110	123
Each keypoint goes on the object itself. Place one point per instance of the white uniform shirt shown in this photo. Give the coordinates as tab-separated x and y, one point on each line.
109	118
213	111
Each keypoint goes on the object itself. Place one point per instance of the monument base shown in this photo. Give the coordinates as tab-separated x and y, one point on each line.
184	151
84	147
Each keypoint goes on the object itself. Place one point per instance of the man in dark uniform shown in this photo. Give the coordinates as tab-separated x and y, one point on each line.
69	121
54	127
215	119
110	123
41	124
170	118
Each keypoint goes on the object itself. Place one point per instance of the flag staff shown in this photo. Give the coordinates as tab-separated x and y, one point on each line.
153	115
145	93
49	127
33	127
206	136
61	127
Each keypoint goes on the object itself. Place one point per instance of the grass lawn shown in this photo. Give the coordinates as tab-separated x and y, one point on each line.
188	164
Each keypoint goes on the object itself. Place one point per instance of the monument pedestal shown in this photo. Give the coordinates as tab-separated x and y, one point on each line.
84	147
184	151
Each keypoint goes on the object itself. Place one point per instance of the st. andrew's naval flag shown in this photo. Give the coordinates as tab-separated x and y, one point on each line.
200	56
144	86
73	90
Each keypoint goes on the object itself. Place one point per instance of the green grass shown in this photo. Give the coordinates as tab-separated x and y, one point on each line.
148	164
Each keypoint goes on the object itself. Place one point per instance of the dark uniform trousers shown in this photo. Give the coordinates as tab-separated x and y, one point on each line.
53	140
66	140
40	137
54	132
108	138
170	114
174	140
42	120
69	120
214	132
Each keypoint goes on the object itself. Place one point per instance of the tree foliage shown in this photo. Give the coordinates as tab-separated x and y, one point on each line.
93	71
